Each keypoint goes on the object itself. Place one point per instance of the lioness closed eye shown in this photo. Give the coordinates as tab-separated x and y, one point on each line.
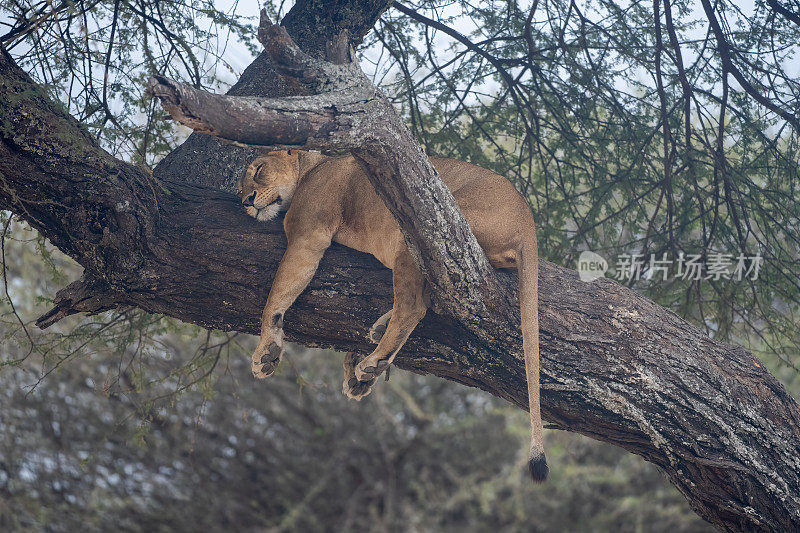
332	200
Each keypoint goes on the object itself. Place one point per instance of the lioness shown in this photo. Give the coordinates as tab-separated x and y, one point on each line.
332	200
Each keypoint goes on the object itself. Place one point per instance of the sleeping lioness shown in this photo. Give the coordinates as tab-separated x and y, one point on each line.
331	199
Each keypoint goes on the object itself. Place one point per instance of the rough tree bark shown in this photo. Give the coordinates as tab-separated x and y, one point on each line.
615	366
348	113
207	161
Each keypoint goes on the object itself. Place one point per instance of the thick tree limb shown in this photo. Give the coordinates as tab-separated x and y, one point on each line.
318	121
207	161
352	114
614	366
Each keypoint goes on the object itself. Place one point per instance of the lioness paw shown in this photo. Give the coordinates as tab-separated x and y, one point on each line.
266	359
351	386
371	367
379	328
356	390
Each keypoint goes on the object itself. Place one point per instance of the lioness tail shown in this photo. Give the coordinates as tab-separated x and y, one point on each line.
528	270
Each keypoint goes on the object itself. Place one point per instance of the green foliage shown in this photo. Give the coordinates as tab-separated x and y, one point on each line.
418	454
96	57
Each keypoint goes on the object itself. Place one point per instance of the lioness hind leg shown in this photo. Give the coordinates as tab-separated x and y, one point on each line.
379	327
409	308
351	387
295	271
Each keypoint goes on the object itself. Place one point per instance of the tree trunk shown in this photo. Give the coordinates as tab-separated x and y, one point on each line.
615	366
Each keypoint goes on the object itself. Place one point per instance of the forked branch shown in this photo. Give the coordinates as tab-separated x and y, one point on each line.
350	113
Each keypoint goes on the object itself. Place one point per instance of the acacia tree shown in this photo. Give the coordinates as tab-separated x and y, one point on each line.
615	366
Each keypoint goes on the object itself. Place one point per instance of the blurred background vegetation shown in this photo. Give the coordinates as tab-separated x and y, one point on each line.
618	120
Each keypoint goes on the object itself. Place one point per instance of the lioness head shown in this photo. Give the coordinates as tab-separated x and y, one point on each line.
269	183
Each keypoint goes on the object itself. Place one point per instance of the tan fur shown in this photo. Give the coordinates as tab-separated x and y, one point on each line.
332	200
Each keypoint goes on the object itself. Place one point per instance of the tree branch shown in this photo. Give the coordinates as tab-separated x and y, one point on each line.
724	48
785	12
327	121
207	161
615	366
354	115
83	296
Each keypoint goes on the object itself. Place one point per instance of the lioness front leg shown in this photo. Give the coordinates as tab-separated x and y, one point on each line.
408	309
297	267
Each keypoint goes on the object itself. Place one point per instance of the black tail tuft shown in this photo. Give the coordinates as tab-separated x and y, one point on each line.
538	468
